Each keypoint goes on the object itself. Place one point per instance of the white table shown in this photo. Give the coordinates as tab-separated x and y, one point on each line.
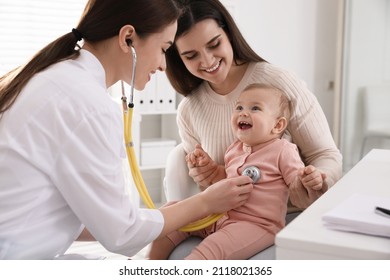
307	238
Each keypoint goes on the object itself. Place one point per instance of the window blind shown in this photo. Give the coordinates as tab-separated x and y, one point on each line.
26	26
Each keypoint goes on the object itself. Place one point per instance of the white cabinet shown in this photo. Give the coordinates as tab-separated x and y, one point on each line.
154	130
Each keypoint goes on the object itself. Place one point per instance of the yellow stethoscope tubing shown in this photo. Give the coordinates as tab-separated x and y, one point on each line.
132	158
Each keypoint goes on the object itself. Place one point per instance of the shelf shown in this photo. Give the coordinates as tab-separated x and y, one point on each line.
157	113
152	167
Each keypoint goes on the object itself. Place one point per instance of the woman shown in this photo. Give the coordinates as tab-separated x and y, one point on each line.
61	139
211	63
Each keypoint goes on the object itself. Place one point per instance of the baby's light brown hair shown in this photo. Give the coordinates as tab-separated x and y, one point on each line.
284	102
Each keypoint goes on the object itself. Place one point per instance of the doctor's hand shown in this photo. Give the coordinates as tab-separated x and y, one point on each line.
228	193
218	198
203	170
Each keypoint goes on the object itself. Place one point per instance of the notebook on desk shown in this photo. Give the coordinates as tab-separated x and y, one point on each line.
357	214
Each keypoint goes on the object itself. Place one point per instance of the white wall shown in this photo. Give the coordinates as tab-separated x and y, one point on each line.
366	62
299	35
27	26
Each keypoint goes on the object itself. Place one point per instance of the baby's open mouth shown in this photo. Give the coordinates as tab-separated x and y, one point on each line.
244	125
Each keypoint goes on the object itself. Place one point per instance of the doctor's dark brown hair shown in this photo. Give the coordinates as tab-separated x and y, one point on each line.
193	12
101	20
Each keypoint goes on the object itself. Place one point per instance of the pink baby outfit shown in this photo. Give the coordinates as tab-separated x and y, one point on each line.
246	230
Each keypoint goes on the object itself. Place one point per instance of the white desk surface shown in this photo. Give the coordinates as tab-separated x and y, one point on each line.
307	238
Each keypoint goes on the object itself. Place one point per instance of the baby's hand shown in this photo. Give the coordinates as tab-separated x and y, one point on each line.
198	158
312	178
202	169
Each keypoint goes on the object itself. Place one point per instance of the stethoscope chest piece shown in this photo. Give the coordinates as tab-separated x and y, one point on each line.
253	172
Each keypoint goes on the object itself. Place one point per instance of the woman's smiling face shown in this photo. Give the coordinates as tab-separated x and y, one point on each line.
206	51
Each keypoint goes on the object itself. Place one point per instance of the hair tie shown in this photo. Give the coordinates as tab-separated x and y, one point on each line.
77	34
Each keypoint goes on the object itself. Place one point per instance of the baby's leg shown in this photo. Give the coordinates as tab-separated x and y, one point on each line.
235	241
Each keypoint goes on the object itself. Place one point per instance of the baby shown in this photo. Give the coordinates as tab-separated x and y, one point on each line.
259	120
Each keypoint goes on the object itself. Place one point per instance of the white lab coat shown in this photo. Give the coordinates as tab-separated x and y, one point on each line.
61	150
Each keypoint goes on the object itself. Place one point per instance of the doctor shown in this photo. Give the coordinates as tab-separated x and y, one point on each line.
61	139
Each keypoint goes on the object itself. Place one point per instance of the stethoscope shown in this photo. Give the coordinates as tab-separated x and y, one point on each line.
127	120
252	171
135	171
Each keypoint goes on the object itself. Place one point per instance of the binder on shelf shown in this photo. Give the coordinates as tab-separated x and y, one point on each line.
165	94
170	104
159	93
149	95
357	214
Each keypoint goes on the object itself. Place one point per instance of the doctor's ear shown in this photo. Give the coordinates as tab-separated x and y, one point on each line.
126	35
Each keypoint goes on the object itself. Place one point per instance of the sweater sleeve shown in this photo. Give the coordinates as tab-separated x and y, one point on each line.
308	125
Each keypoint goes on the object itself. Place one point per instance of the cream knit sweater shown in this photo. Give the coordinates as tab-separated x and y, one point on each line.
204	118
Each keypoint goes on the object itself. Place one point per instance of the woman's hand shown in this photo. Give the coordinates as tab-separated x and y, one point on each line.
227	194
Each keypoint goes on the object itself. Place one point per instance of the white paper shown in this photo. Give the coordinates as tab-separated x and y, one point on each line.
357	214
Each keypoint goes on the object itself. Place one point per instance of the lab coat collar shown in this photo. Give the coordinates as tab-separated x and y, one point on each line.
92	64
